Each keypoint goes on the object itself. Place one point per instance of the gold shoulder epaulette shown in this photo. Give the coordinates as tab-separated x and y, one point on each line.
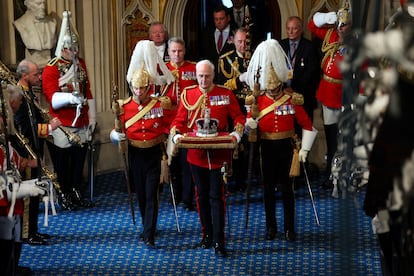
297	98
52	61
192	62
227	54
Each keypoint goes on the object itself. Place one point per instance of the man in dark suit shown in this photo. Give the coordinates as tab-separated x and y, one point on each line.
304	58
158	33
258	19
232	67
218	40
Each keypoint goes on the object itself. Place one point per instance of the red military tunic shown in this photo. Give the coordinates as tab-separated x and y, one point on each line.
329	92
148	130
281	121
55	69
185	76
223	104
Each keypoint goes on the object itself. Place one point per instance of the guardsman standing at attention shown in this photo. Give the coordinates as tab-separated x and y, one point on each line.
144	126
67	90
273	114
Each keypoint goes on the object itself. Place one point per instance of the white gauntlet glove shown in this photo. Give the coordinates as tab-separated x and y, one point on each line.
61	99
303	155
251	123
27	188
321	18
31	187
117	137
176	138
308	137
236	135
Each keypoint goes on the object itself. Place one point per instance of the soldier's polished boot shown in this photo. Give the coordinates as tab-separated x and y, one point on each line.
65	202
79	201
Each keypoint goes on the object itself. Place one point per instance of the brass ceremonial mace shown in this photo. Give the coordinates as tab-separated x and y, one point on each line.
122	146
252	139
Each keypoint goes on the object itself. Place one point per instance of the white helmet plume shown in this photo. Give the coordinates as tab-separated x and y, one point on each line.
145	56
272	61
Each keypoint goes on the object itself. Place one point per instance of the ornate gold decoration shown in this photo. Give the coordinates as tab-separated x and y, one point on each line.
140	78
273	81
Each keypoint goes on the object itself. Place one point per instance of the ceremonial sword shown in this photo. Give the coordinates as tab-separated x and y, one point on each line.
310	194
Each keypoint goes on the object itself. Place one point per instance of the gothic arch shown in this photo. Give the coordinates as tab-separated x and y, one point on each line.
174	17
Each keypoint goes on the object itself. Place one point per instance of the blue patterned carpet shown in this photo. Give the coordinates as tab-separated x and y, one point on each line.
103	240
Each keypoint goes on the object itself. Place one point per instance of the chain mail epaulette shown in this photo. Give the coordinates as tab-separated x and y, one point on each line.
165	101
124	101
52	61
227	54
297	98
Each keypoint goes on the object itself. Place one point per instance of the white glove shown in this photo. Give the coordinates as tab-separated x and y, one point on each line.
308	137
29	188
237	135
321	18
251	123
303	155
380	223
176	138
61	99
75	99
117	137
92	119
243	77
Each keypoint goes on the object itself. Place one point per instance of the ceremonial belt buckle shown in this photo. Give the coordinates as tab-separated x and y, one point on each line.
147	143
277	135
332	80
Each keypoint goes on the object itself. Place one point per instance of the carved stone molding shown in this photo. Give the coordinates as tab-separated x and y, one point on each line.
132	8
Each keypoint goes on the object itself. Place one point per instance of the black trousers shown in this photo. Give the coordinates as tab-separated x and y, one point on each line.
33	215
68	164
9	256
276	162
145	170
210	199
181	178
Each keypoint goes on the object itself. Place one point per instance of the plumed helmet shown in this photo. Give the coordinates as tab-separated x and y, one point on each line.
68	36
344	14
271	63
145	57
140	78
